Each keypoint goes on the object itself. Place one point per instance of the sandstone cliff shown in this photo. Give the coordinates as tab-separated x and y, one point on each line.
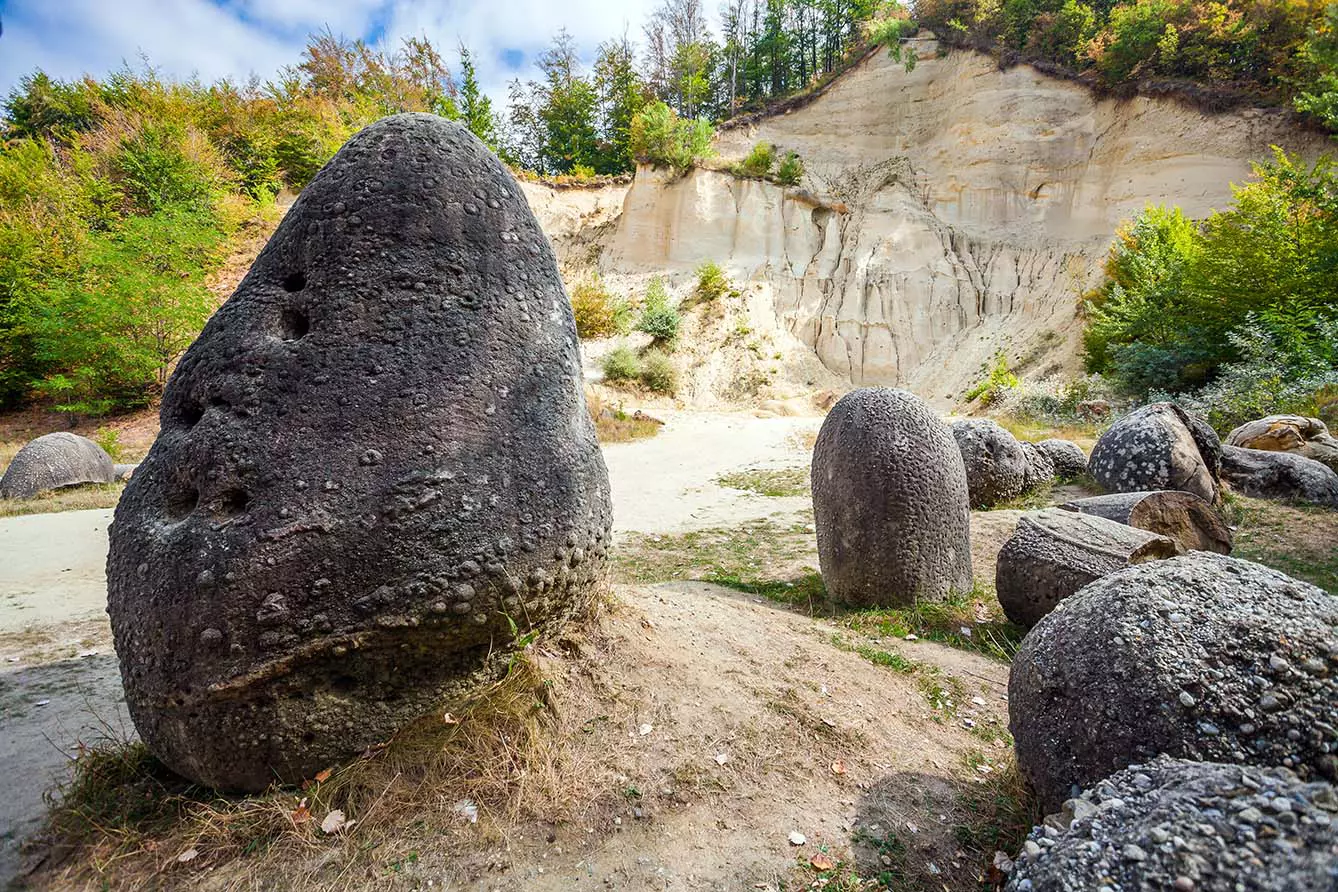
946	212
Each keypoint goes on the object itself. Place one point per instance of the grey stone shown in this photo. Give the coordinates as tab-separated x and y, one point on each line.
1308	437
1182	516
1096	685
1160	446
889	502
1067	457
1054	553
1040	468
1191	826
1279	475
374	465
996	463
54	461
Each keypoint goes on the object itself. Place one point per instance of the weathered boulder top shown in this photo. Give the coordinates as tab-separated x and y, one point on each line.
53	461
379	441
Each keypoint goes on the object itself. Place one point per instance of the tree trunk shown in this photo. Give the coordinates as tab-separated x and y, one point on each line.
1181	516
1055	553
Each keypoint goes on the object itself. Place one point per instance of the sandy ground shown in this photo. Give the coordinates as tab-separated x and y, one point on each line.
58	679
667	484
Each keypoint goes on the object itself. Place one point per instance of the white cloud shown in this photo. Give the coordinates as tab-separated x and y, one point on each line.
185	38
68	38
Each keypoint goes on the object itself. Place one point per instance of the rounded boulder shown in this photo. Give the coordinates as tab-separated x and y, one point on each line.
375	473
889	502
1160	446
1067	457
1202	656
54	461
996	464
1196	826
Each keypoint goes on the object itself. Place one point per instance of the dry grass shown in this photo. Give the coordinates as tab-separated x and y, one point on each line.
125	821
75	498
613	425
1298	540
1033	430
775	482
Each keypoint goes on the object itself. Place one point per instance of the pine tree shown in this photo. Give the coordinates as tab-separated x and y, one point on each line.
475	106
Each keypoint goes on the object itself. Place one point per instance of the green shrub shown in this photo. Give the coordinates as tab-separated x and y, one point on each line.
1176	290
1267	380
660	137
791	170
758	163
889	32
659	318
599	313
110	441
712	284
621	364
111	333
999	380
658	372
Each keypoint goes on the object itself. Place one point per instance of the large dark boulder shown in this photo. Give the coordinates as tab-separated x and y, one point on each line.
1054	553
1279	475
1194	826
889	502
1068	458
54	461
375	465
1202	657
1160	446
1182	516
996	463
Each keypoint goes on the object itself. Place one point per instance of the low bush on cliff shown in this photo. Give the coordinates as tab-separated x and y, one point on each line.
659	317
660	137
758	163
599	312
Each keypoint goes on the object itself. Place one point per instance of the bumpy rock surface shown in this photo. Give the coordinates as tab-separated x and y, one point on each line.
1067	457
1279	475
1055	553
1160	446
375	459
1040	468
1202	657
996	464
53	461
889	502
1181	516
1297	434
1179	825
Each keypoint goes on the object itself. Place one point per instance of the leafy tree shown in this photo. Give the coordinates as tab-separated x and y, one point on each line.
622	95
1178	293
475	106
113	330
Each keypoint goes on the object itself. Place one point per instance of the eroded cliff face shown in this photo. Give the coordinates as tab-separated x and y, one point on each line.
946	213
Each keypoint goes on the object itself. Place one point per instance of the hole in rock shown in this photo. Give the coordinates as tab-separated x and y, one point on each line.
190	413
344	684
295	324
294	282
233	502
309	737
182	501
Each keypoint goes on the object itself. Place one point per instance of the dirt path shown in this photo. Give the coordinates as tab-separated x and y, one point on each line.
667	484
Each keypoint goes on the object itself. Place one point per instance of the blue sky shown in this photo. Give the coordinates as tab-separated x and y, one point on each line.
217	38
